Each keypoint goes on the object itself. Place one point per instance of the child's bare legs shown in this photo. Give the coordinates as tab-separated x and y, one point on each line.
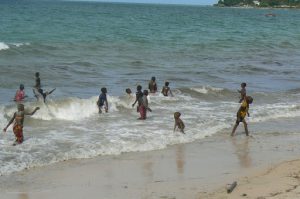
246	128
234	128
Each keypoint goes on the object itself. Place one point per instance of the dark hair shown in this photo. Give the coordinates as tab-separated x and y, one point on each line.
103	90
37	74
244	84
21	86
177	114
166	83
139	87
145	92
153	78
128	90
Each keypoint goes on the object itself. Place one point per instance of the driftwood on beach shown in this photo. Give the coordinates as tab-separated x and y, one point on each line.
231	187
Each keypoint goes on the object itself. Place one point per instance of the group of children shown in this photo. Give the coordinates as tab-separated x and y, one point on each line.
140	99
19	115
37	91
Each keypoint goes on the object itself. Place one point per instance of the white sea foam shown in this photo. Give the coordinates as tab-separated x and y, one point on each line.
72	127
207	89
20	44
3	46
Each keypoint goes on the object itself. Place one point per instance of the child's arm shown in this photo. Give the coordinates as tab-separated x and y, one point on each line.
136	99
33	112
51	91
10	122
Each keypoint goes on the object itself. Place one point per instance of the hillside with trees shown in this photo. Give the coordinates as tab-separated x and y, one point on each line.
260	3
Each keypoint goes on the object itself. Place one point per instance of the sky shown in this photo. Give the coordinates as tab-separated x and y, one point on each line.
193	2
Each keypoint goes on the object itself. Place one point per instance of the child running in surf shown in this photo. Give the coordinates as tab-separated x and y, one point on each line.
18	125
241	114
166	90
178	122
102	100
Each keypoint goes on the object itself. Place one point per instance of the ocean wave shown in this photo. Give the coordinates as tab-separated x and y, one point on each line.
3	46
6	46
207	89
71	128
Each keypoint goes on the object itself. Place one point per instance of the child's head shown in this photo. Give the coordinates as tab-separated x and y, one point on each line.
166	83
128	91
243	85
153	79
20	107
103	90
145	92
21	87
249	99
177	115
139	88
37	74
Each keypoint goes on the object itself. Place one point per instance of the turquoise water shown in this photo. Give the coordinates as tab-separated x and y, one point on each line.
79	47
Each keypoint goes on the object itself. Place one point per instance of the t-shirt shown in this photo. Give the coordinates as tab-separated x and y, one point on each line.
20	95
102	99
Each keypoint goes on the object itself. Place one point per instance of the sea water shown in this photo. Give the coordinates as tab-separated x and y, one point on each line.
78	47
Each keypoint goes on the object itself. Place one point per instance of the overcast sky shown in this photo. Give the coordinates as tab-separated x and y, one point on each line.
195	2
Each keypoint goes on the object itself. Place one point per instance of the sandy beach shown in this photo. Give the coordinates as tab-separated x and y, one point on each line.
197	170
279	182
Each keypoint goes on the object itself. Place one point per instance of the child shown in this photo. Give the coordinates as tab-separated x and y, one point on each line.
178	122
242	91
152	85
241	114
138	99
44	94
18	125
20	94
166	90
37	81
102	100
144	106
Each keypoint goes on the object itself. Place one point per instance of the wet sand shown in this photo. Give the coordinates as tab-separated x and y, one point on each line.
195	170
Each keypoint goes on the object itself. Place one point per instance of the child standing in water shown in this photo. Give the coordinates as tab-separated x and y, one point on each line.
242	91
139	99
18	125
20	94
166	90
178	122
241	114
102	100
152	85
144	107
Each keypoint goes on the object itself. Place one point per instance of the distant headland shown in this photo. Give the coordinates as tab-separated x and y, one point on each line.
259	3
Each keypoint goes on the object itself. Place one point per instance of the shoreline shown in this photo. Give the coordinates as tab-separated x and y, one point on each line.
192	170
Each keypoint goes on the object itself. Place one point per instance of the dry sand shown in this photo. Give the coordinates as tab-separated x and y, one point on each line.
280	182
